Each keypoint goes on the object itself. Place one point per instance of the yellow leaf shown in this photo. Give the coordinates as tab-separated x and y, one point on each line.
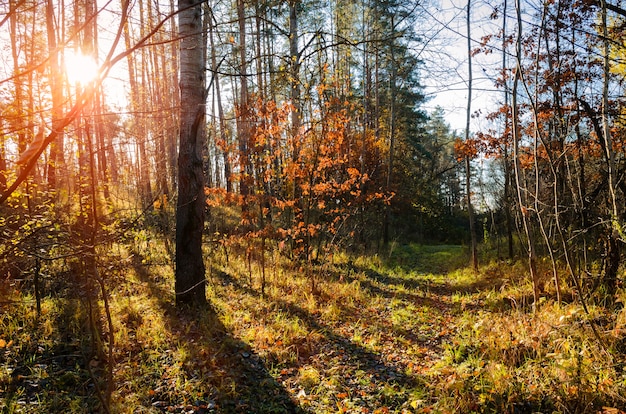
3	343
416	403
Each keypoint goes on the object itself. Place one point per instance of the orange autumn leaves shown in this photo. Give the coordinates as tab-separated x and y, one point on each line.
307	183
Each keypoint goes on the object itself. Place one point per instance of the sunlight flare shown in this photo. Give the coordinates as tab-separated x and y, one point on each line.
80	68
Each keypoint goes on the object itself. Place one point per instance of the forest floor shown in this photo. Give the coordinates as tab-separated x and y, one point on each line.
414	331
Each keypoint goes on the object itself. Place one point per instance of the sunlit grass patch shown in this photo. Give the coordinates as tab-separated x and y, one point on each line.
428	259
372	335
507	355
309	377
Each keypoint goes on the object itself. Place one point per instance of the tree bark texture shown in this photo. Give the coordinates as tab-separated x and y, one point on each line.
190	271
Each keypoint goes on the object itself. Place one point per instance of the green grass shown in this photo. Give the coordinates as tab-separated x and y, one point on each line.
412	331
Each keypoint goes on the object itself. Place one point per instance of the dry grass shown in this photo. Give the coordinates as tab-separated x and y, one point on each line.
411	332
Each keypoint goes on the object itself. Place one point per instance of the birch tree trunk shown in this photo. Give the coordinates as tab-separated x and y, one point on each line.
190	271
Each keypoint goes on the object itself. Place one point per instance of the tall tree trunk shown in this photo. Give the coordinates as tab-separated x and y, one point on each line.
296	139
532	260
294	59
19	124
161	88
367	92
212	135
173	121
220	111
30	94
56	94
558	181
243	116
506	156
392	141
468	170
615	231
140	126
190	270
206	148
3	162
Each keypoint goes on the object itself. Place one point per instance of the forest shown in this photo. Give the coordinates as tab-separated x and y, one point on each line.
312	206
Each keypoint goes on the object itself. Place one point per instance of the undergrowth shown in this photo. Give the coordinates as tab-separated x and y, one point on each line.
409	331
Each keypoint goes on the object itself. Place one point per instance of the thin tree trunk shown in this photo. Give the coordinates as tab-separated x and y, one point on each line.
18	90
532	260
212	132
294	56
615	231
207	161
506	156
56	93
390	159
468	169
161	86
243	124
367	90
220	112
140	127
3	162
537	137
173	126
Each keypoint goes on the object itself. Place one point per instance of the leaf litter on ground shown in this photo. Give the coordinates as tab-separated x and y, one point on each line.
414	332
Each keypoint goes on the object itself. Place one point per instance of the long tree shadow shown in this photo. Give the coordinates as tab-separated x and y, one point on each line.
394	287
234	377
434	294
335	348
419	293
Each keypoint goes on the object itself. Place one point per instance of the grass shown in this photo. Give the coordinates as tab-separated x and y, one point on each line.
412	331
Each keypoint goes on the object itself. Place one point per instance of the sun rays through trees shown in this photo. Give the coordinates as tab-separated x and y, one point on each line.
211	198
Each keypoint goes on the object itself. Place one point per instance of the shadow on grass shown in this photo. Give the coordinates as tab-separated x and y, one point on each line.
335	349
231	376
49	364
396	287
422	291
